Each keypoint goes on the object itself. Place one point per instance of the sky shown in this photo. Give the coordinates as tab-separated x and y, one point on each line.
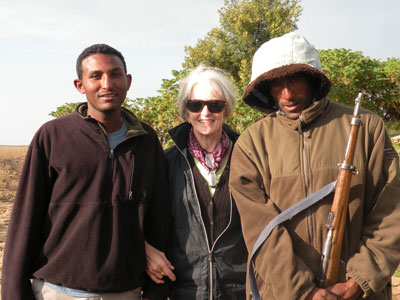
41	39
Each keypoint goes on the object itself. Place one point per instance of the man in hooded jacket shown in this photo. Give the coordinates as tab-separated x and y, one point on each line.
293	152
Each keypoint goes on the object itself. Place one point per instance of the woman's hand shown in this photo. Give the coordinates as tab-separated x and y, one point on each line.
158	265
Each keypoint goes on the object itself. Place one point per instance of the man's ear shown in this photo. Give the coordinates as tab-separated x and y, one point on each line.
129	79
79	86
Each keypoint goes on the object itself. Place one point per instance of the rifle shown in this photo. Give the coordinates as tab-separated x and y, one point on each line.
330	257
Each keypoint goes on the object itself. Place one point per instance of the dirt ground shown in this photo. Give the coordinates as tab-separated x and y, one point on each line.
11	160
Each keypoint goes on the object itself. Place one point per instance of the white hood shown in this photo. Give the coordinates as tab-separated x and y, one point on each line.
280	57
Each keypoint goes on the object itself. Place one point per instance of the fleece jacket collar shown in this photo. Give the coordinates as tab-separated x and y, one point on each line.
135	127
307	116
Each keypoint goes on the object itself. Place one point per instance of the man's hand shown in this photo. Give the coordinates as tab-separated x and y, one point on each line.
158	265
348	290
322	294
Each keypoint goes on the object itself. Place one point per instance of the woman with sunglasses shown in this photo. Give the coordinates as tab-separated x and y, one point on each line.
208	253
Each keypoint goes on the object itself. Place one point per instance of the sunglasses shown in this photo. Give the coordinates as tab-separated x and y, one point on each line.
214	106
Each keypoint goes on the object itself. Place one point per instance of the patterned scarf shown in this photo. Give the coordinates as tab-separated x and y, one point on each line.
211	161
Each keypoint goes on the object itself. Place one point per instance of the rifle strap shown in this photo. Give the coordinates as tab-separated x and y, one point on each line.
282	217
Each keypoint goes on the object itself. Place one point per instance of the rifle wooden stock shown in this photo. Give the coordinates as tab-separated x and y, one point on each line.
337	217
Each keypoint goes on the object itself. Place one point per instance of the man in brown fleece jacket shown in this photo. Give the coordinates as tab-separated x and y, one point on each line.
292	153
91	192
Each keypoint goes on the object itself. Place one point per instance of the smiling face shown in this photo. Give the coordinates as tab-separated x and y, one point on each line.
293	94
105	84
206	124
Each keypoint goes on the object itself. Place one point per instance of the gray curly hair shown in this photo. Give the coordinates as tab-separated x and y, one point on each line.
218	80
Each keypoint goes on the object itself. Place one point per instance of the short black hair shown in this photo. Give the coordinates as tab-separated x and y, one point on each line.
95	49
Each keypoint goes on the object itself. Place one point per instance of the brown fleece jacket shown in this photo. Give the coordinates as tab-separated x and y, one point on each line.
274	165
82	212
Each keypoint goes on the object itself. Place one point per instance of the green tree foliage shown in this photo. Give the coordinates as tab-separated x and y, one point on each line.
160	112
64	109
393	128
351	72
68	108
392	70
244	26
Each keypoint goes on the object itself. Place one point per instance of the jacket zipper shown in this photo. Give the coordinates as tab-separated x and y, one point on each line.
210	251
203	226
112	156
229	223
213	245
130	194
305	161
306	180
